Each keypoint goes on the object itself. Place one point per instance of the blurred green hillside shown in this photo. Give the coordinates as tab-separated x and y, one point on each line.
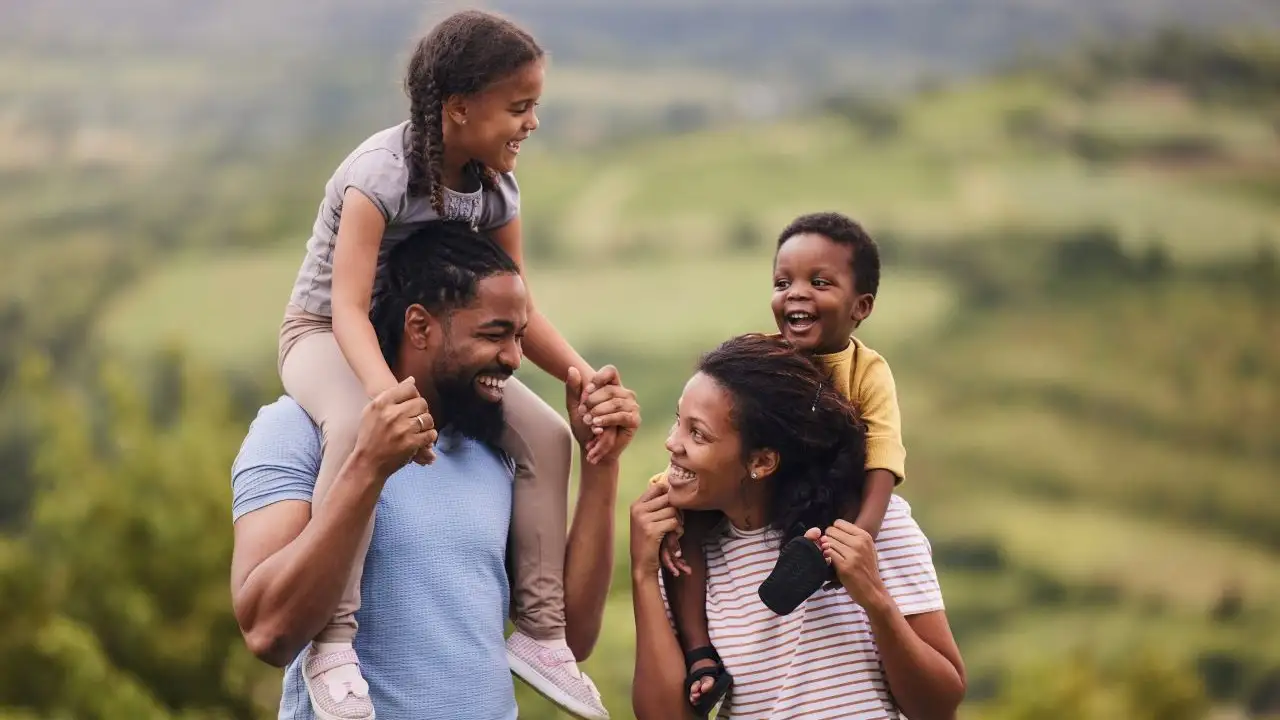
1081	305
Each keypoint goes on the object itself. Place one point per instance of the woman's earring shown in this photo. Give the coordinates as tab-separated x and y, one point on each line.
753	475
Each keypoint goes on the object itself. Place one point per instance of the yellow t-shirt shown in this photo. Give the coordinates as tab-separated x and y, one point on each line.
863	376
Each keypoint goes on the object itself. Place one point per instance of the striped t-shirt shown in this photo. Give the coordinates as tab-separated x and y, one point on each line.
821	660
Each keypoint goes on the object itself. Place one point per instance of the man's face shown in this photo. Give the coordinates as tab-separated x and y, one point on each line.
478	350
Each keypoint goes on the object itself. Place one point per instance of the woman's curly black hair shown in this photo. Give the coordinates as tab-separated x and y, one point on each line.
467	52
784	401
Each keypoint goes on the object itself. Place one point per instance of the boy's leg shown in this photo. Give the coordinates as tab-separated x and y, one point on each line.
317	376
541	446
689	608
690	597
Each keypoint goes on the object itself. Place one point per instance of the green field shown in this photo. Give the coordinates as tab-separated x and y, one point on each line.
231	306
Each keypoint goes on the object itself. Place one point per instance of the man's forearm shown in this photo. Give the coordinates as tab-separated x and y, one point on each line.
924	682
588	568
292	594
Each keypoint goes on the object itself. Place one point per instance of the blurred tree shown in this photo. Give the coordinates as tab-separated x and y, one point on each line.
1070	691
1145	685
1157	686
744	236
116	597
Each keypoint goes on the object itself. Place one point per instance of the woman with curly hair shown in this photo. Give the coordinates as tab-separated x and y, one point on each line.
763	439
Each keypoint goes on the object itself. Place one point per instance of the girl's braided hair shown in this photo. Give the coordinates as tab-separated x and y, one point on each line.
467	52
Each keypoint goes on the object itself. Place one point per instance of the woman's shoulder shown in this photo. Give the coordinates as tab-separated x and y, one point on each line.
906	561
898	518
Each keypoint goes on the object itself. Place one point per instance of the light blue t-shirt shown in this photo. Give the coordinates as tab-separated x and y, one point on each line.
434	593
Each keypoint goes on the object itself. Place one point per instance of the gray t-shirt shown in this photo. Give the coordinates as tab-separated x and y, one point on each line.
378	168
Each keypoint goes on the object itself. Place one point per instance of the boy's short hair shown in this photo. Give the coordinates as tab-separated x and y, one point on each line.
843	230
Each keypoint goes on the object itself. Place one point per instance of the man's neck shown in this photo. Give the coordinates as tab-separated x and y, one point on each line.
427	390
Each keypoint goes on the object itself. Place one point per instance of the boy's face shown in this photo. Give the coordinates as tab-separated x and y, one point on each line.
815	302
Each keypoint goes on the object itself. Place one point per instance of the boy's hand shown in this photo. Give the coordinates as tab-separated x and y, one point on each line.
672	556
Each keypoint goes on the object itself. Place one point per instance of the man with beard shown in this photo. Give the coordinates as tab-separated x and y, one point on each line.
435	593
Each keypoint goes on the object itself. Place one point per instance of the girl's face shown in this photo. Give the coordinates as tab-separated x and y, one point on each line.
490	125
706	471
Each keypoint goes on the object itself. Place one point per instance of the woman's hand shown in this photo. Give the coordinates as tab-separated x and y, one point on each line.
852	553
652	518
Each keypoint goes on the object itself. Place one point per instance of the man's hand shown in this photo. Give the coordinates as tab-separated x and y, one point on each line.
394	427
604	415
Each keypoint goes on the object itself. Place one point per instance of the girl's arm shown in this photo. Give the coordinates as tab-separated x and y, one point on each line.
543	344
355	260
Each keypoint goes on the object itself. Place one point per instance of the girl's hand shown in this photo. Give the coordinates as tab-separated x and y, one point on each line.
852	553
652	518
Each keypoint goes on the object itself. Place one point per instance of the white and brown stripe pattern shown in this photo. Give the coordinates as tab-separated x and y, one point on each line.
821	660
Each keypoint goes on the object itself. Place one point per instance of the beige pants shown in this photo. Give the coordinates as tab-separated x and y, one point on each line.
317	376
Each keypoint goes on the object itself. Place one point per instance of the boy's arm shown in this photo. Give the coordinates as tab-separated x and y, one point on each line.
886	456
688	592
875	500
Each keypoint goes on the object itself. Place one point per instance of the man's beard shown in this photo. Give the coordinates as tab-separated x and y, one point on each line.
466	413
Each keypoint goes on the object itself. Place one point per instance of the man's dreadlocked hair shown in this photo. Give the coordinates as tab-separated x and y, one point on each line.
467	52
438	267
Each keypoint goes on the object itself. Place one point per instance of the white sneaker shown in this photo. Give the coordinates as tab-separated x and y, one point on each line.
337	689
549	667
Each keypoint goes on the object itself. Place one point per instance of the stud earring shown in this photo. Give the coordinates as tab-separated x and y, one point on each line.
753	475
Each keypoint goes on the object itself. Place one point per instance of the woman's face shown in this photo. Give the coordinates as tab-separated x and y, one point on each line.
706	471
